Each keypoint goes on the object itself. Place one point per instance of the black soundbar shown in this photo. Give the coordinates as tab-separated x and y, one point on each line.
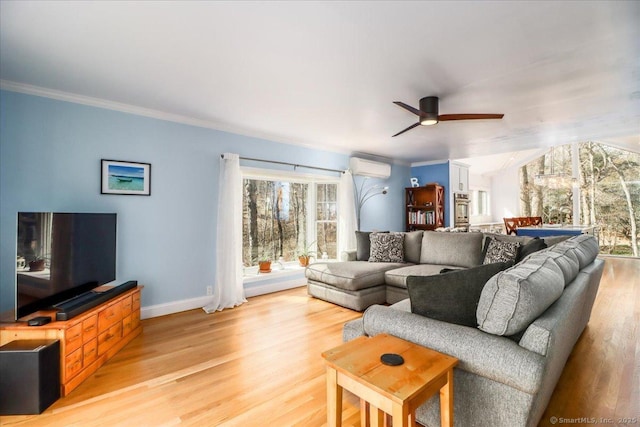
69	310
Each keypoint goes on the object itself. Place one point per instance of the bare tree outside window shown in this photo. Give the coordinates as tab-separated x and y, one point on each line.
276	218
609	190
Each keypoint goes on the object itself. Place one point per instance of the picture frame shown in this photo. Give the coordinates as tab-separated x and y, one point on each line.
125	178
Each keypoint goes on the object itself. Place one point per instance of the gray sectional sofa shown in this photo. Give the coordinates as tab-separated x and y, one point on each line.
357	284
529	317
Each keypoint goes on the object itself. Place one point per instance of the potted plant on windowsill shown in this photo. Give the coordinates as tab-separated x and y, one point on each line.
264	266
264	261
37	264
305	256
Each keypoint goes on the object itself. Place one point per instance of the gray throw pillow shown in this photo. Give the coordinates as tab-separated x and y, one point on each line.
412	246
453	296
386	247
500	251
363	246
532	246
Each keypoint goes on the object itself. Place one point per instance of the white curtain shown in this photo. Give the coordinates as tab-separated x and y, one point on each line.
347	214
228	289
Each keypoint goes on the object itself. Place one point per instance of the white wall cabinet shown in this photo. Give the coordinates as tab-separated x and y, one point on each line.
459	178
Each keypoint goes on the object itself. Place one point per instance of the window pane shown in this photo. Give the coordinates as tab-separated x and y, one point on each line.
327	239
321	191
327	220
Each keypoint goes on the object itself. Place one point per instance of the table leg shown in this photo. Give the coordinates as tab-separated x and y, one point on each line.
401	416
446	401
377	417
334	399
364	413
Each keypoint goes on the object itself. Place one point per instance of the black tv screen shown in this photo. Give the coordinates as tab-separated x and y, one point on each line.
62	255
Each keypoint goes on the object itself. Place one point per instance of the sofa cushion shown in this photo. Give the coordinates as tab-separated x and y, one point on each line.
350	275
585	247
514	298
387	247
451	297
500	251
451	249
565	258
534	245
412	245
398	276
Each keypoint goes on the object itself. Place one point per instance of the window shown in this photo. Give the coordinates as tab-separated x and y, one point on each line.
480	203
285	215
591	184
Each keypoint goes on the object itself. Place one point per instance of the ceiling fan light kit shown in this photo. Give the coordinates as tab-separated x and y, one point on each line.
429	115
429	110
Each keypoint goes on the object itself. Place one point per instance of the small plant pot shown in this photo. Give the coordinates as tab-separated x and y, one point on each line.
264	266
304	260
37	265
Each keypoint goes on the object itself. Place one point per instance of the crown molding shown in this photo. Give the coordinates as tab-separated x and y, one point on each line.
102	103
147	112
161	115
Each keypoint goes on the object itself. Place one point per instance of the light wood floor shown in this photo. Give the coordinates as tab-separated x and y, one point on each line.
260	365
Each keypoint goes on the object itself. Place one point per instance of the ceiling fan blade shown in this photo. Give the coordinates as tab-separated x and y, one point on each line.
446	117
409	128
409	108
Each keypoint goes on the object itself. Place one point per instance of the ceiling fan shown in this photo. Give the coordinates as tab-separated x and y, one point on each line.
428	113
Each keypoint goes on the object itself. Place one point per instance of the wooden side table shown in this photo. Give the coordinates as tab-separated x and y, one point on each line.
394	390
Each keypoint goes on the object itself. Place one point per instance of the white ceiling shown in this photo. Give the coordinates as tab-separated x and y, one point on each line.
325	73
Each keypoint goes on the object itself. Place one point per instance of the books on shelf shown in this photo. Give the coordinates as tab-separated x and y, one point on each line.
422	217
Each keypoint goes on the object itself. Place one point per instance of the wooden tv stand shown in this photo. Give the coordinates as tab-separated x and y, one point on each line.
88	340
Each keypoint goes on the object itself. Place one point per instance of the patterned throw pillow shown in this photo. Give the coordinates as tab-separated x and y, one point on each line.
387	247
500	251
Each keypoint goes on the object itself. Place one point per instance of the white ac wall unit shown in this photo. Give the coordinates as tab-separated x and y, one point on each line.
364	167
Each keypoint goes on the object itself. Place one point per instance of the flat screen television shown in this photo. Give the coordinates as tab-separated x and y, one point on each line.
62	255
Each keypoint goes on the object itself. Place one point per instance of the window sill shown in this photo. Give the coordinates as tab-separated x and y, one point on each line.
291	269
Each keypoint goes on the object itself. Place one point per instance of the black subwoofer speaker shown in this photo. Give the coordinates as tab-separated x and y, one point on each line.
29	376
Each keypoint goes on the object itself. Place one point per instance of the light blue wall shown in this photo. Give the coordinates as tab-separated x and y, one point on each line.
435	173
50	155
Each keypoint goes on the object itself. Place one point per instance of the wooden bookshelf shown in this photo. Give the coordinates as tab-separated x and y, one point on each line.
424	207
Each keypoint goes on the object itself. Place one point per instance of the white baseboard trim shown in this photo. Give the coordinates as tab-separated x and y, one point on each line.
173	307
199	302
254	291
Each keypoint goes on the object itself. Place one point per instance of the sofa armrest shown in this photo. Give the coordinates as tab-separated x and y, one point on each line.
497	358
348	255
352	330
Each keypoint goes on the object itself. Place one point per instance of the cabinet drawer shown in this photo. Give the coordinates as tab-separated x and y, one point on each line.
73	338
109	316
109	338
89	328
89	352
135	319
136	301
73	363
126	325
126	306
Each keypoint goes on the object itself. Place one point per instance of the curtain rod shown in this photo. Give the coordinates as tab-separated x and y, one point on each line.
295	165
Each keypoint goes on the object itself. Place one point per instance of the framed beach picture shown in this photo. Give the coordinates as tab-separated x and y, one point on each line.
119	177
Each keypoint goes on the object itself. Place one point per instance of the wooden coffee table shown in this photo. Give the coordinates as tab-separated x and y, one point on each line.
394	390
